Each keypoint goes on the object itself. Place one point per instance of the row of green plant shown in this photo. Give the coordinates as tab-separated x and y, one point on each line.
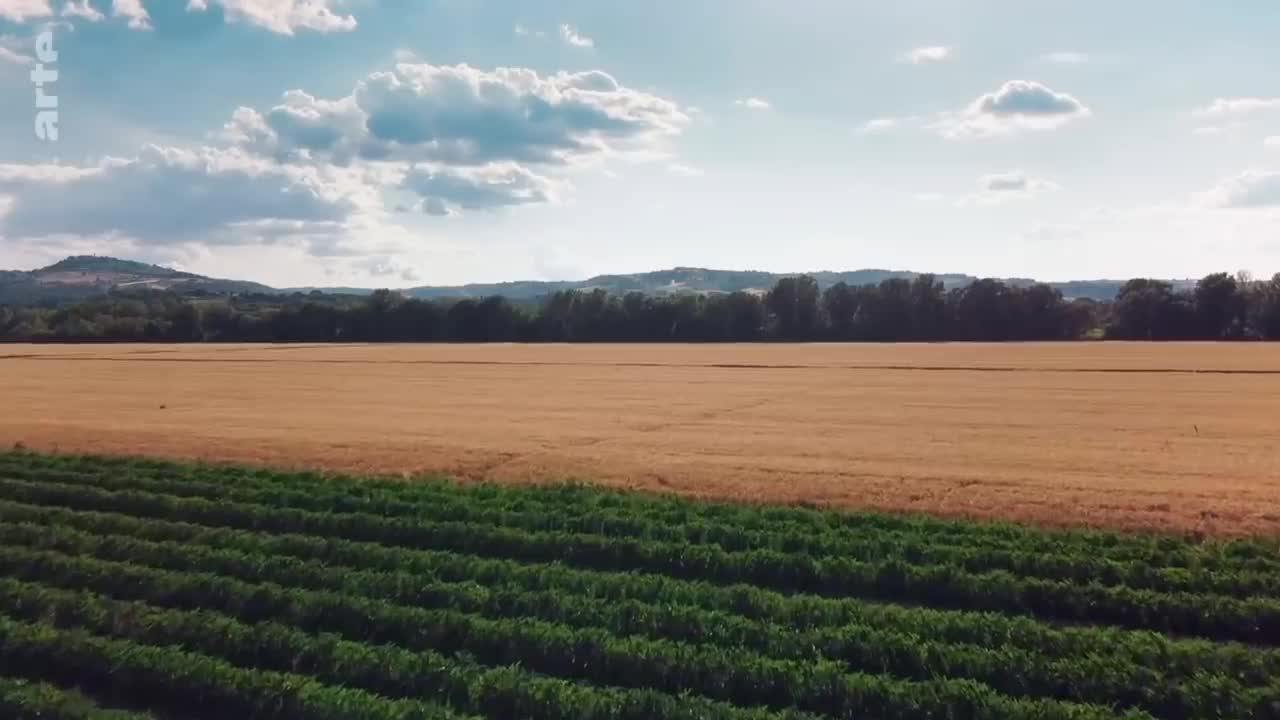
185	683
1150	550
799	613
394	670
351	602
914	548
26	700
1211	616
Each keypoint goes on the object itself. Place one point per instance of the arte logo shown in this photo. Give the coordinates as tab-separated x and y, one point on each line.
44	75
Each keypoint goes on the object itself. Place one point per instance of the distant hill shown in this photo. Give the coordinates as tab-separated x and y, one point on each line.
665	282
703	280
88	275
83	276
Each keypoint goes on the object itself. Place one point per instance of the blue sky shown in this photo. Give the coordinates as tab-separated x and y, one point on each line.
401	142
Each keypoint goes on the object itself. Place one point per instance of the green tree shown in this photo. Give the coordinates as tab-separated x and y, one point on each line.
794	305
1219	307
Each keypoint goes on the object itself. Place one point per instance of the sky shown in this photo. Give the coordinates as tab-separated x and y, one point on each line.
391	143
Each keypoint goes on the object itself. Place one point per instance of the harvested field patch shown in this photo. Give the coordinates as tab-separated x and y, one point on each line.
1182	437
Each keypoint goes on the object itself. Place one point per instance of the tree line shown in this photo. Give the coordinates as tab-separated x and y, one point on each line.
1220	307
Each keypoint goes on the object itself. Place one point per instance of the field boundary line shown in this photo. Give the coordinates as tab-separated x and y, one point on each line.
642	364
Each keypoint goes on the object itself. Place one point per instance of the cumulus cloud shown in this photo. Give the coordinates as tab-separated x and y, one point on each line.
924	55
571	36
1250	189
322	174
83	10
1018	105
753	103
171	195
460	115
1065	57
283	17
447	191
1272	142
133	11
23	10
382	266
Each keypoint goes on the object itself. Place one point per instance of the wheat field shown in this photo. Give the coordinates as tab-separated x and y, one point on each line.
1182	437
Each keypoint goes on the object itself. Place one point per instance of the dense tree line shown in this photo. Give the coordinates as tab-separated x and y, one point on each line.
1220	306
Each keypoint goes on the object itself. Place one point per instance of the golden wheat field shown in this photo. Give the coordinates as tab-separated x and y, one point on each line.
1173	436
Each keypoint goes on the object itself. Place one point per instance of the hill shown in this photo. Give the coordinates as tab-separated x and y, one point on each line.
664	282
88	275
84	276
705	280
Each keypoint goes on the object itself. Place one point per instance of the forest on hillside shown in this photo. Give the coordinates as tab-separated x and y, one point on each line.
1220	307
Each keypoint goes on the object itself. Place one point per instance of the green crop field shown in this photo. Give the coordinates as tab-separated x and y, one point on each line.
136	589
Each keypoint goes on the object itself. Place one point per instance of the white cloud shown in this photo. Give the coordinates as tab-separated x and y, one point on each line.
1249	189
283	17
1065	57
23	10
571	36
14	174
320	175
383	266
1272	142
682	170
460	115
447	191
924	55
877	125
521	30
9	56
83	10
1002	187
1236	107
13	50
753	103
133	11
170	195
1013	182
1018	105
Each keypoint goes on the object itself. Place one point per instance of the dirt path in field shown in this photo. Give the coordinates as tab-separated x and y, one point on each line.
1172	436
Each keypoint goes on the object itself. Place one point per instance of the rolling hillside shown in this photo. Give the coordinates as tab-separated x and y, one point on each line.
86	276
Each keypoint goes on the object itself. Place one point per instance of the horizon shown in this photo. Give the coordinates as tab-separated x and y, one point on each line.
398	143
626	274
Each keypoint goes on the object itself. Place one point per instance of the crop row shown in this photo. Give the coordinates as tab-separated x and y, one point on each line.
26	700
397	671
913	548
187	683
498	692
1250	620
1156	551
1183	656
358	613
